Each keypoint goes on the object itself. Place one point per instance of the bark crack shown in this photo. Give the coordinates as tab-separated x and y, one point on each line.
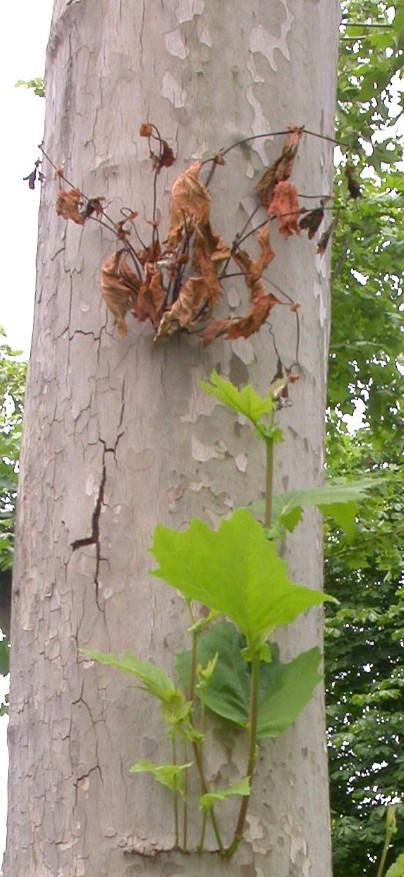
86	776
95	521
94	538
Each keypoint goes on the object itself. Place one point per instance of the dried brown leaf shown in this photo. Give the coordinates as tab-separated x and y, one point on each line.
151	253
94	205
196	299
181	313
199	293
283	205
266	252
253	268
207	251
261	302
165	158
216	246
119	286
282	167
145	130
244	326
189	203
213	330
67	205
150	299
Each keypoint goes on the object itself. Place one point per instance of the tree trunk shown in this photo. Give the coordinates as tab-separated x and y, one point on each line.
118	437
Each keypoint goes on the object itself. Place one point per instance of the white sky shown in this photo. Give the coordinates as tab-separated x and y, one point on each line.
24	26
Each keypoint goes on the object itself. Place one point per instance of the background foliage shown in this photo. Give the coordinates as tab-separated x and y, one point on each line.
12	381
363	636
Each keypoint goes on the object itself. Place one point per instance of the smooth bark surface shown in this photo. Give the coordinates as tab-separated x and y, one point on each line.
118	437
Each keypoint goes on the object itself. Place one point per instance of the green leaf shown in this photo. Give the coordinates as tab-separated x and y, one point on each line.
37	85
343	515
204	673
290	520
284	689
397	868
234	570
245	401
207	801
4	657
152	678
174	707
335	499
169	775
226	693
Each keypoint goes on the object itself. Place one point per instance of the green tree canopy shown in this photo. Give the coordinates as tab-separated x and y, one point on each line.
363	636
12	381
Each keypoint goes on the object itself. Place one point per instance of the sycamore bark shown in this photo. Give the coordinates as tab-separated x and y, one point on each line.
118	437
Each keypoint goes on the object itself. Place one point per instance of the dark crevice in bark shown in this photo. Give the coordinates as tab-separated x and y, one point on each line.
95	522
85	776
94	539
94	336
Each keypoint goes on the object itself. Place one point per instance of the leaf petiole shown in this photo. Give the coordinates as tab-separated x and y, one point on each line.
252	753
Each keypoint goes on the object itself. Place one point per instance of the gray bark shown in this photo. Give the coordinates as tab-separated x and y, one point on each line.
118	437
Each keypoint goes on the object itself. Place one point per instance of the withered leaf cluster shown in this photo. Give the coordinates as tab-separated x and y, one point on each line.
176	284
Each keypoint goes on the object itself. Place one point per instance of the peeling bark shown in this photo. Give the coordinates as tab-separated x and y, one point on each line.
118	436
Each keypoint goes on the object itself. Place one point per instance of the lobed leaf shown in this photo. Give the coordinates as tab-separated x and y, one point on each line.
152	678
245	401
234	570
335	499
284	688
226	693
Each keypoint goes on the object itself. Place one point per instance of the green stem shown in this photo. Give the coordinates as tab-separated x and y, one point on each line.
176	832
269	479
205	790
203	830
192	669
252	752
190	694
185	805
196	747
387	840
202	713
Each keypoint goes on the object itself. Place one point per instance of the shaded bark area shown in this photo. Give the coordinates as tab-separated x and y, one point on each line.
118	437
